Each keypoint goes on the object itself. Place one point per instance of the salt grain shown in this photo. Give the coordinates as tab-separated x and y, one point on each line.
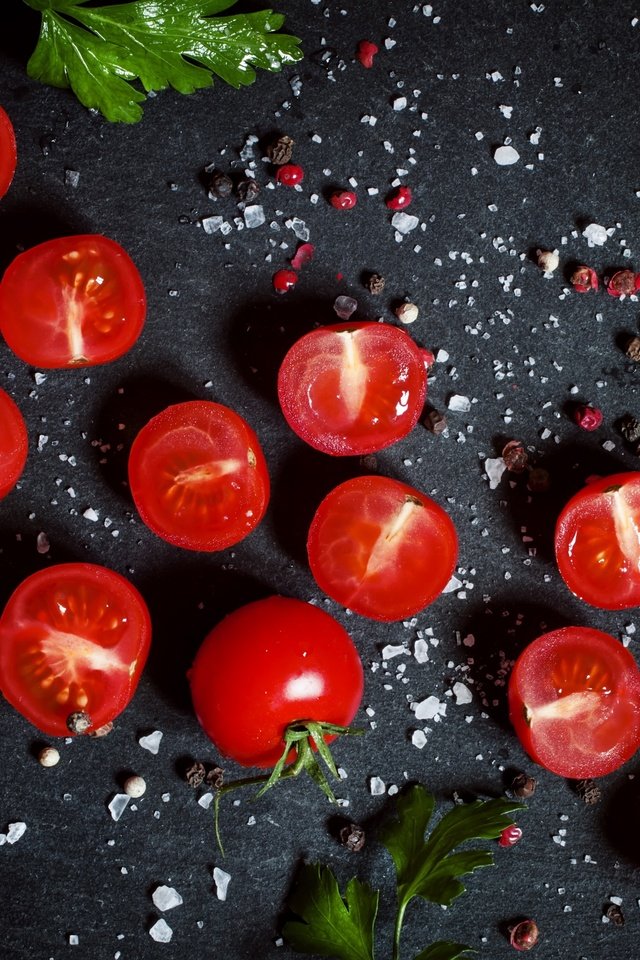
506	156
161	932
166	898
595	235
15	831
151	742
404	222
118	805
376	786
221	880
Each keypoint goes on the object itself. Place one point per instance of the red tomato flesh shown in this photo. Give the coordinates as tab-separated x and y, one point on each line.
72	302
352	388
8	152
73	638
198	476
13	444
381	548
574	700
597	542
270	664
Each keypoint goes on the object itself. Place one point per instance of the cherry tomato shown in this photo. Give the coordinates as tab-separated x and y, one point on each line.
13	444
574	700
198	476
8	152
73	639
381	548
597	542
72	302
267	665
352	388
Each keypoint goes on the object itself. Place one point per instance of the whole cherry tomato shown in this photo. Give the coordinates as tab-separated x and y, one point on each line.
13	444
198	476
73	640
352	388
381	548
574	700
8	152
72	302
597	542
270	664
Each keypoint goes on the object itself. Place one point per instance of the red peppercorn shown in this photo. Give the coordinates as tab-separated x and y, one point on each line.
284	280
589	418
303	254
510	836
624	282
366	52
524	935
399	199
584	279
290	174
343	199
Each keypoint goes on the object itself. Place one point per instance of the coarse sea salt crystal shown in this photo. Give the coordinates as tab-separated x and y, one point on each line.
459	404
454	584
426	709
505	156
254	216
151	742
212	224
595	235
118	805
376	786
494	468
418	739
394	650
462	693
15	831
421	650
404	222
161	932
166	898
205	800
221	880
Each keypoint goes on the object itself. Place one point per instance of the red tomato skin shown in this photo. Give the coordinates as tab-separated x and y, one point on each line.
311	393
582	660
349	527
40	293
269	664
75	600
8	152
588	557
14	444
147	470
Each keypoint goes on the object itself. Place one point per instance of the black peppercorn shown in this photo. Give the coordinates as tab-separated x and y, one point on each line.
630	428
280	151
195	774
79	722
375	283
215	777
352	837
588	790
523	786
247	190
436	422
220	185
632	349
615	915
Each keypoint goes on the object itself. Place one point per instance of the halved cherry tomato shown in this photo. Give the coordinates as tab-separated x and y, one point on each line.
352	388
574	700
13	444
381	548
8	152
198	476
72	302
597	542
73	639
267	665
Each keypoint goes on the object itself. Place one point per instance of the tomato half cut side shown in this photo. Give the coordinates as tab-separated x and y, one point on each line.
14	444
597	542
74	638
198	476
267	665
352	388
8	152
72	302
381	548
574	700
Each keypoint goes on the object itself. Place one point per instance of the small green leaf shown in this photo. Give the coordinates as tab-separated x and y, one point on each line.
330	924
445	950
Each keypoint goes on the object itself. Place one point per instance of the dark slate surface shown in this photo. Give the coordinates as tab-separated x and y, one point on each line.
521	347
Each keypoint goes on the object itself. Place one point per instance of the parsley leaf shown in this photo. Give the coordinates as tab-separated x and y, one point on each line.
98	51
332	925
444	950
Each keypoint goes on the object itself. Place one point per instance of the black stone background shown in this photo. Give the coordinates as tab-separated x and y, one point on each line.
226	326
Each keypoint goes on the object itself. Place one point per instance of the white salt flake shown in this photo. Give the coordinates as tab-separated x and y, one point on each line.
421	650
161	932
454	584
151	742
494	468
394	650
399	103
459	403
254	216
404	222
376	786
426	709
118	805
506	156
15	831
90	514
39	378
221	880
212	224
418	739
595	235
166	898
462	693
205	800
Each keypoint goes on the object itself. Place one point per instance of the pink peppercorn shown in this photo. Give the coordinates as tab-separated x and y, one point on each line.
343	199
303	254
510	836
584	279
284	280
365	53
524	935
624	282
290	174
589	418
399	199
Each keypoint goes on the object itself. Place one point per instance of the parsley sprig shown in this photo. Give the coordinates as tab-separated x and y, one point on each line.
333	924
99	51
